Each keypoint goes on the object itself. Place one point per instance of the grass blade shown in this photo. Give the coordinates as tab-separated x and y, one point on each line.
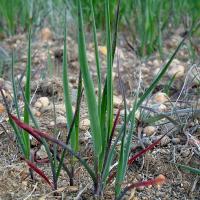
74	121
89	87
158	117
121	168
68	104
114	42
27	95
109	71
96	57
111	136
15	128
190	169
14	87
77	110
78	105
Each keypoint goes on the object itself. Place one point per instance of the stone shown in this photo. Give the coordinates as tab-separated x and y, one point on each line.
103	50
176	140
149	62
137	115
165	141
8	86
41	153
61	120
36	112
84	124
177	69
46	34
156	63
162	108
42	102
160	179
160	98
7	95
149	130
2	109
52	123
38	105
117	101
156	71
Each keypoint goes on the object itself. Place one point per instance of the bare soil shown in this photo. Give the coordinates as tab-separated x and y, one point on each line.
180	146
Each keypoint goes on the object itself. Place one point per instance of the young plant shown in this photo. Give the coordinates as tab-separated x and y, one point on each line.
25	136
104	152
100	114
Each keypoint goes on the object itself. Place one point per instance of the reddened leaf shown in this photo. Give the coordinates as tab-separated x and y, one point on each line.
38	171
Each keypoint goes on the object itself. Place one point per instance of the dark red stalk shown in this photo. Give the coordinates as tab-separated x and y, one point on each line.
38	171
133	158
111	136
25	127
111	176
42	161
39	135
159	180
114	127
35	133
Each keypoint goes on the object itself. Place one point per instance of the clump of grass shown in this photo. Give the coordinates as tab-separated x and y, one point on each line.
102	120
23	139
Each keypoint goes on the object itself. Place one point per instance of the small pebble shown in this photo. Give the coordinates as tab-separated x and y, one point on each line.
150	62
149	130
2	109
156	63
7	95
42	103
103	50
162	108
61	120
161	179
52	123
42	153
160	97
84	124
176	68
137	114
117	101
185	153
25	184
176	140
156	71
165	141
36	112
46	34
38	105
